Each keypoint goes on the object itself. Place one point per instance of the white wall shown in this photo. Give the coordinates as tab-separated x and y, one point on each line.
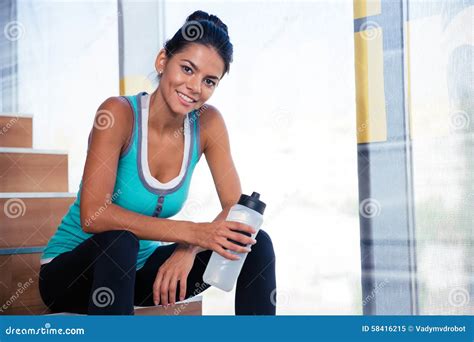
68	65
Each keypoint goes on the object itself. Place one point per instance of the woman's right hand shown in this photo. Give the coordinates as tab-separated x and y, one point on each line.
215	235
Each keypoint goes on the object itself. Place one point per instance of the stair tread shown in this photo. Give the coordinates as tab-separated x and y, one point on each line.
37	194
30	150
16	115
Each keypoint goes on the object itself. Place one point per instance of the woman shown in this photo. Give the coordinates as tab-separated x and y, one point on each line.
106	255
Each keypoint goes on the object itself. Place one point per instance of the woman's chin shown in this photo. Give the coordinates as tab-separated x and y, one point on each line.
183	110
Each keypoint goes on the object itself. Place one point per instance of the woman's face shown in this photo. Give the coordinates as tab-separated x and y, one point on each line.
189	77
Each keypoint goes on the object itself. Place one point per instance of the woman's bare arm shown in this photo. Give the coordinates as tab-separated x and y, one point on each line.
219	158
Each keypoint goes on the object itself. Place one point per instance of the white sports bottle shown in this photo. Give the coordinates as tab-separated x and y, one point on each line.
222	272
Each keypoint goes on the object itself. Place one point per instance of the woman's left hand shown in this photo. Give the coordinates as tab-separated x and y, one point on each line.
176	268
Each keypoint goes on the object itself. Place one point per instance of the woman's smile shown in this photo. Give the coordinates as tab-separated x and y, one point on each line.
185	100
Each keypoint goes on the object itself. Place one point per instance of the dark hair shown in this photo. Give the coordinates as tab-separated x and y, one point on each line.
202	28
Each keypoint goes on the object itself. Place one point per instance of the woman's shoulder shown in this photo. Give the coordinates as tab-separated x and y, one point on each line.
212	125
113	121
117	110
210	117
117	104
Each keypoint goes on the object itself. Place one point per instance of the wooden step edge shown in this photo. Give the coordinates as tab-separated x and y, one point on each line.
37	195
27	150
177	309
16	115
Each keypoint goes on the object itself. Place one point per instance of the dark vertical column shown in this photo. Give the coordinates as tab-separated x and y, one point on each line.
384	160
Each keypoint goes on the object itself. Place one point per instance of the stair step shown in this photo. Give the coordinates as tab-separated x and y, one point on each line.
19	292
16	130
188	307
30	219
32	170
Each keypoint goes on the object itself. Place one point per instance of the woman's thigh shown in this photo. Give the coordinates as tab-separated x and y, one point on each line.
66	281
145	277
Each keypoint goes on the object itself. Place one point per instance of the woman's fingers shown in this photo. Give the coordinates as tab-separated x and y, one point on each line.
164	288
240	226
243	239
172	289
233	247
226	254
182	287
157	288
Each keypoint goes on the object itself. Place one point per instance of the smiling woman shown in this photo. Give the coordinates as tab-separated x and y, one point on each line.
137	174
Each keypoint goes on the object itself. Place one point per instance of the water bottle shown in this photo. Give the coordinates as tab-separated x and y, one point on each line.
222	272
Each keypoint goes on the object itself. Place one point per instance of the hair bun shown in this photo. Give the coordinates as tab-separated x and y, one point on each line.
204	16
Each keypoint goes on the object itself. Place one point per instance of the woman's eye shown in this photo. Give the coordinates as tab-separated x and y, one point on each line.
186	68
210	83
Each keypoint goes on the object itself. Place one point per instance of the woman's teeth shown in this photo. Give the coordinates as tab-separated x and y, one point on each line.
186	98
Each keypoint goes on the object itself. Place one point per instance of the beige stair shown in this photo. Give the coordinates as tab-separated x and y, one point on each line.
16	130
19	293
34	198
30	219
30	170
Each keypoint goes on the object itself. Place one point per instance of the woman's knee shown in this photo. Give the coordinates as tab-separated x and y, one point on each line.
121	240
264	245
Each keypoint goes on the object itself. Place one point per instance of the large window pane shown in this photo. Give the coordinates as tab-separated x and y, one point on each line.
289	105
441	106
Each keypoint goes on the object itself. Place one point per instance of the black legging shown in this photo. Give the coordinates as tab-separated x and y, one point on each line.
99	277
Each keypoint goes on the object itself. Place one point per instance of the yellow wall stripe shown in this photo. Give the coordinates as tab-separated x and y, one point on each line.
364	8
132	85
370	94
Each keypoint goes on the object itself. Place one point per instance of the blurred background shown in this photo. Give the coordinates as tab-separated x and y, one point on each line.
362	112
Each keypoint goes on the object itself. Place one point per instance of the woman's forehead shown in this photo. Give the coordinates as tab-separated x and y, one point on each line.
205	59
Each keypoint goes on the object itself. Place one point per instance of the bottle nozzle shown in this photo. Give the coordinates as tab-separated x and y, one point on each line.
255	195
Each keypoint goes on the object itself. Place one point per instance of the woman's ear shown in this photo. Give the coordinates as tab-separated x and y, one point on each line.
160	62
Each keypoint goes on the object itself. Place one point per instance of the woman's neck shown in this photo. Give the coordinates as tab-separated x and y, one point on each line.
160	117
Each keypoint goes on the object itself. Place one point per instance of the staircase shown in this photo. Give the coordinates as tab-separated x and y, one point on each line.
33	199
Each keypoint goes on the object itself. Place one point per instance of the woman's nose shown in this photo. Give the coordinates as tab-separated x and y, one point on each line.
194	85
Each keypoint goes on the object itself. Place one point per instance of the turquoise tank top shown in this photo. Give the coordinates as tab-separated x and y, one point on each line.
135	188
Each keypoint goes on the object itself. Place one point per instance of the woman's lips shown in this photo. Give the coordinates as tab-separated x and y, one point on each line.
184	102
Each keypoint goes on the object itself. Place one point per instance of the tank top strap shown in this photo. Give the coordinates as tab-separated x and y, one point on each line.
194	119
134	101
